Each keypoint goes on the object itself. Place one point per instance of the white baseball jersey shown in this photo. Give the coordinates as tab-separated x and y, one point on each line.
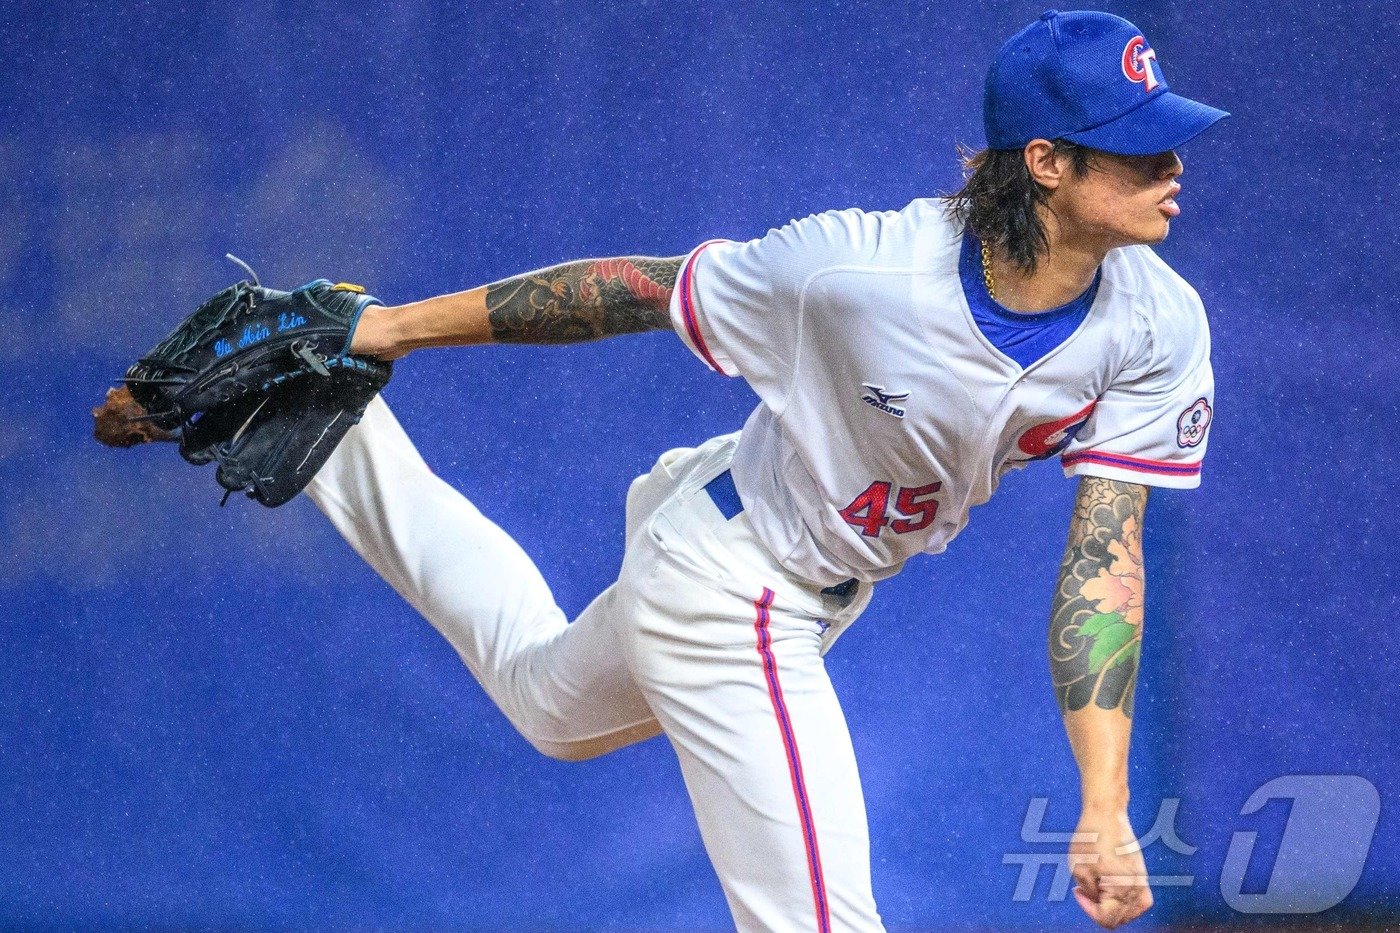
886	414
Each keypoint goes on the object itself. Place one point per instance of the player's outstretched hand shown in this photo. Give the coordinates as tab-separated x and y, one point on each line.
1109	872
120	421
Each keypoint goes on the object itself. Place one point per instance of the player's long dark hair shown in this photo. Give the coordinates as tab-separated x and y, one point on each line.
999	200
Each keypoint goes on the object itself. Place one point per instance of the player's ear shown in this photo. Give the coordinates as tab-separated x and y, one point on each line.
1043	164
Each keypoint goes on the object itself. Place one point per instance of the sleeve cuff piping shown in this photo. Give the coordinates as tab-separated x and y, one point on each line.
1133	464
688	317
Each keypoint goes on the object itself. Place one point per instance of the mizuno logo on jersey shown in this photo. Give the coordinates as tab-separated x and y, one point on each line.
877	397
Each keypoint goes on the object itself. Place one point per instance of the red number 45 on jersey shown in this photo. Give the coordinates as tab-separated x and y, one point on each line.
915	506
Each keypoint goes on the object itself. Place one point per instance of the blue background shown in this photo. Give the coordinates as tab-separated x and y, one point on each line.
221	718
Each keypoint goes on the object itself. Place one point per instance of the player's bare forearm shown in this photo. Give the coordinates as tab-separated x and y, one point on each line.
1096	632
567	303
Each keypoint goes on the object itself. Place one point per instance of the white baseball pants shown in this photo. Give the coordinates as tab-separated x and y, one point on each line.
703	636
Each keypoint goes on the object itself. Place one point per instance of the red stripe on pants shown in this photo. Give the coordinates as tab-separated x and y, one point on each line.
794	760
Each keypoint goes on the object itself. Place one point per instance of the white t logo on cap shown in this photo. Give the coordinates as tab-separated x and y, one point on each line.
1137	63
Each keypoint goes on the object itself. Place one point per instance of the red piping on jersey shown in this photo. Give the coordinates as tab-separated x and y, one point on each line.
692	325
1140	464
794	761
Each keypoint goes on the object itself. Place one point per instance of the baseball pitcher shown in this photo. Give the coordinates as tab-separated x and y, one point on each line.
904	361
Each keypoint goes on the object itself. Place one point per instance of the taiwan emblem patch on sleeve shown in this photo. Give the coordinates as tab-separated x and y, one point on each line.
1191	426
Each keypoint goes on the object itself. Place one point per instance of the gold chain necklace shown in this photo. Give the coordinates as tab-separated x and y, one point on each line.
987	271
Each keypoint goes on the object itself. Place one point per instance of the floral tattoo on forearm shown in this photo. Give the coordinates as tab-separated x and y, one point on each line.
1096	619
583	300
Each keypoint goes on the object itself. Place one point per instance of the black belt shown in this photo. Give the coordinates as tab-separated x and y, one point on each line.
725	496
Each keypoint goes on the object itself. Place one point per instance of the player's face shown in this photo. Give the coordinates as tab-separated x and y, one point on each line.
1122	200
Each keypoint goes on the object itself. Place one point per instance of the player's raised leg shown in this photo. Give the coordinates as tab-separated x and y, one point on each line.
565	687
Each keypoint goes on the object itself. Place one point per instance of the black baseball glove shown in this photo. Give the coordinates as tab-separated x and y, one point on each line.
262	382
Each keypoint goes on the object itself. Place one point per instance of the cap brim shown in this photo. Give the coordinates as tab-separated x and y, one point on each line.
1165	122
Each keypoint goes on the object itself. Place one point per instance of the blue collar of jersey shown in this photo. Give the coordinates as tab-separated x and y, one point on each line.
984	306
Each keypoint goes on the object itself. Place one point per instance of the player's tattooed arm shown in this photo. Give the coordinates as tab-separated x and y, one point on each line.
584	300
568	303
1097	615
1095	638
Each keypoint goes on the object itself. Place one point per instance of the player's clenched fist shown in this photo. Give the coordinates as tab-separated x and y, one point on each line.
1109	873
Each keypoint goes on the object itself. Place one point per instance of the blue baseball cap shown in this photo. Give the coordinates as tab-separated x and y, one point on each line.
1090	78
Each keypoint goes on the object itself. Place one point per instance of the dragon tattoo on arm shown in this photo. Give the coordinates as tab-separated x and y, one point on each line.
584	300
